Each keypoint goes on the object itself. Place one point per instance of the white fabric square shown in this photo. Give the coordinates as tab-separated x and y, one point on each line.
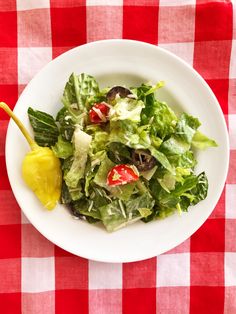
182	50
32	4
173	270
230	269
30	61
230	200
232	69
104	2
170	3
105	275
232	129
38	274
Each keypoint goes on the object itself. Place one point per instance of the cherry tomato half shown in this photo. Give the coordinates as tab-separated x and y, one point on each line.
122	174
98	113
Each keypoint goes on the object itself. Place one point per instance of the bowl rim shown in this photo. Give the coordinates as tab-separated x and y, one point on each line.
172	55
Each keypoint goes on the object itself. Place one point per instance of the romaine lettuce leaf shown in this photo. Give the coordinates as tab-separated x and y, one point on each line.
200	190
85	207
139	206
78	91
62	149
123	192
118	214
118	153
66	124
161	117
126	109
186	160
113	215
101	175
81	142
163	160
180	142
99	142
186	127
99	196
201	141
44	127
129	134
174	146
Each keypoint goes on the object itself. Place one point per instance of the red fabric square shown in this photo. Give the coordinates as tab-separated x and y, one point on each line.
10	270
214	231
60	252
207	269
140	274
230	235
213	21
139	301
71	272
9	5
206	300
220	89
10	303
141	2
3	131
182	30
219	211
10	212
34	244
8	69
71	301
4	182
57	51
67	3
231	178
8	33
211	58
29	22
141	23
68	26
8	94
105	301
172	298
10	241
43	302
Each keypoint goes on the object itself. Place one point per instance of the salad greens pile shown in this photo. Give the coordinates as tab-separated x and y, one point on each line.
100	131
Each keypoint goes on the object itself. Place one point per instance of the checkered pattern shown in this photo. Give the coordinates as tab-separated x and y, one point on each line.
198	276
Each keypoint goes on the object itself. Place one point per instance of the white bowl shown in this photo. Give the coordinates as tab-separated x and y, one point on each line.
130	63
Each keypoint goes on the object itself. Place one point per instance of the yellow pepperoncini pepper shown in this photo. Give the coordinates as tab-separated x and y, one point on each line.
41	169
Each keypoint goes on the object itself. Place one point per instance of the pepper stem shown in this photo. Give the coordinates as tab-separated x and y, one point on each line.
26	134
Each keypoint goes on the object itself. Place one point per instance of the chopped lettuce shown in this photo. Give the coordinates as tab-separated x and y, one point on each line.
78	91
201	141
137	122
63	149
126	109
118	214
119	153
103	170
113	215
81	142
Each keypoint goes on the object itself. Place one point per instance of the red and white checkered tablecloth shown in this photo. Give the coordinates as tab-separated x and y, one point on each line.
198	276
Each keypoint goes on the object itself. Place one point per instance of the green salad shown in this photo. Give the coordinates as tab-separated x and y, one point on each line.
125	155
